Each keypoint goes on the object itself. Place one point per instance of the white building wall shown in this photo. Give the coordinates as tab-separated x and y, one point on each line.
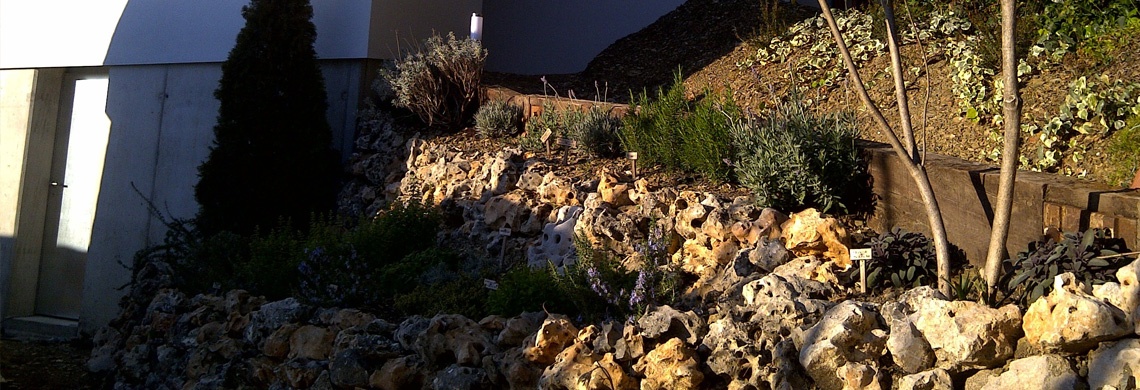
552	37
162	121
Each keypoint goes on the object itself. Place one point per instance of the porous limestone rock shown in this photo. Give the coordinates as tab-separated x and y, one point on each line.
555	334
1115	365
936	379
690	215
506	211
612	190
1069	319
578	368
399	373
516	329
453	338
672	365
1042	372
665	322
807	233
277	344
909	349
456	377
1124	293
556	191
557	245
965	334
858	376
849	332
311	342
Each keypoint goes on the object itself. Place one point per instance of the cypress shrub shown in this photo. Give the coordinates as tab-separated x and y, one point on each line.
271	158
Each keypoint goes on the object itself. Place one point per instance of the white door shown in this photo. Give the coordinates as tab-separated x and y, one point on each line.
77	170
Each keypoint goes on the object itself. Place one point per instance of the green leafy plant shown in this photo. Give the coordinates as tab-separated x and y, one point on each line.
796	160
498	119
1088	255
272	155
524	289
464	295
1066	26
682	134
598	133
905	259
1122	153
440	84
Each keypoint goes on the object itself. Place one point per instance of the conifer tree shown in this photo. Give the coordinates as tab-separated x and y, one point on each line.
271	157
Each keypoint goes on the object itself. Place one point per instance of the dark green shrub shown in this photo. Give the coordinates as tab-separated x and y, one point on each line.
524	289
905	259
465	295
440	84
498	119
271	156
796	160
367	265
1031	275
682	134
598	133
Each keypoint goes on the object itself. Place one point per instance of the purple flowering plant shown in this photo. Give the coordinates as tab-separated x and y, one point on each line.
616	292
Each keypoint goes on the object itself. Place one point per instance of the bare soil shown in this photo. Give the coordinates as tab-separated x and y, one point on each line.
705	39
34	365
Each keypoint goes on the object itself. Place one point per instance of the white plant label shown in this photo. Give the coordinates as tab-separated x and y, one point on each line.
546	135
490	284
505	232
861	254
631	155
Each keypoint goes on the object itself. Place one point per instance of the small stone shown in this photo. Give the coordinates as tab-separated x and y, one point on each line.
936	379
665	322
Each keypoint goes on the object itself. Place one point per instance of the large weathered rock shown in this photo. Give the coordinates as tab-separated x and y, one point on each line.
556	191
507	211
555	334
1042	372
1124	293
690	214
909	349
277	344
965	334
849	332
399	373
1069	319
456	377
936	379
670	366
311	342
807	233
557	245
665	322
516	330
1116	365
612	190
784	287
454	338
578	368
346	369
631	345
270	316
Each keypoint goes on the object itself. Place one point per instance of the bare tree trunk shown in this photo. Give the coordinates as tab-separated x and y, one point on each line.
907	153
1011	114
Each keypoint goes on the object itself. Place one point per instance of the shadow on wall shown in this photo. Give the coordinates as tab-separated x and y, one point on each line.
7	246
554	37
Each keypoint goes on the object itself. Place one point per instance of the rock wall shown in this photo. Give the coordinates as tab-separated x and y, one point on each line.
763	313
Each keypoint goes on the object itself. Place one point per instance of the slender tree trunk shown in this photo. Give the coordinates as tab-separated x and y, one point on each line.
907	154
1011	114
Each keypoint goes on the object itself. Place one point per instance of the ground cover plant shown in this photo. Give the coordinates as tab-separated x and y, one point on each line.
682	133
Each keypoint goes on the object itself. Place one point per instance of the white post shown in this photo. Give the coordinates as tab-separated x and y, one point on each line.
476	27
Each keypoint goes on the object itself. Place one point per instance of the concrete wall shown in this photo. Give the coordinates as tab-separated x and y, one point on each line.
74	33
398	26
16	87
551	37
162	126
966	191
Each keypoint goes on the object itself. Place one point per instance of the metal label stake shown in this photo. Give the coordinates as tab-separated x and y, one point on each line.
566	144
505	233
